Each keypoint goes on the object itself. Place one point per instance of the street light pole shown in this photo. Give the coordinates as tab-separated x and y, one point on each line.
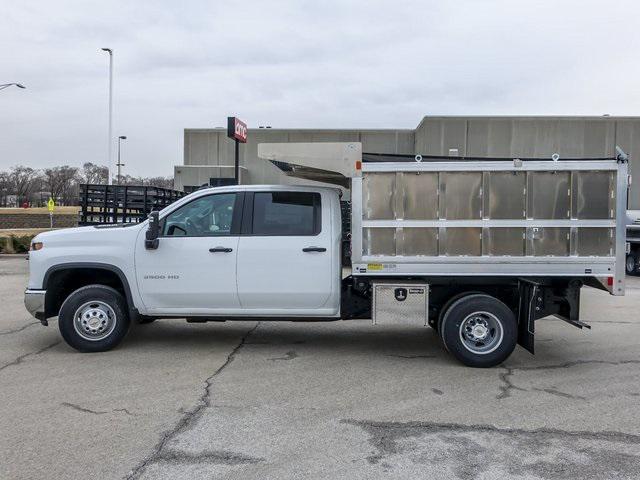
7	85
110	52
121	137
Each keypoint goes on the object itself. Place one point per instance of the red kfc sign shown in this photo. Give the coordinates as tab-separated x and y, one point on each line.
237	129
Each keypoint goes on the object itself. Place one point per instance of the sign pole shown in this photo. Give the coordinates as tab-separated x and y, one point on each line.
237	164
236	130
50	206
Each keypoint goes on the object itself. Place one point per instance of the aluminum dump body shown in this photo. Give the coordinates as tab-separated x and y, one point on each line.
525	218
493	217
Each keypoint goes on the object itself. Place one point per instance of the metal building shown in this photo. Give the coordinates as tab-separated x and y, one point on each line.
209	154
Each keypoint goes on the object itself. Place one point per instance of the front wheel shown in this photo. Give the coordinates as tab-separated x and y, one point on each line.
94	318
479	330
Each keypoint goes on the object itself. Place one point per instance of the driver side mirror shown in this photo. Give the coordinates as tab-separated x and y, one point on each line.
153	231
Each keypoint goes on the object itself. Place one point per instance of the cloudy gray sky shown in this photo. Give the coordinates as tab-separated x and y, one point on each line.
316	64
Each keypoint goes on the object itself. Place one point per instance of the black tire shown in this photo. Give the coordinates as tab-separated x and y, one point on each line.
104	308
492	317
631	263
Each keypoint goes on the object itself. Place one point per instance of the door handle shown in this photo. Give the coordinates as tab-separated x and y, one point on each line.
220	250
314	249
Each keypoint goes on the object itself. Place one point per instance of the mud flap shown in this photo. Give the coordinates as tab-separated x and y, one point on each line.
538	300
529	294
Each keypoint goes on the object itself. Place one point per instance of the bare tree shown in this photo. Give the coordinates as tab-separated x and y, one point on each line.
5	188
128	180
23	181
62	183
164	182
96	174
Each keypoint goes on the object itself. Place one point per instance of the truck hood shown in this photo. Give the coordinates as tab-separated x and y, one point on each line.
91	234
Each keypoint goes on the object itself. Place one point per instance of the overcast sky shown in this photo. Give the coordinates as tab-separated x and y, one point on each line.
306	64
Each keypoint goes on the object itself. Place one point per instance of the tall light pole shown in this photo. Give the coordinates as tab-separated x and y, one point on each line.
121	137
7	85
110	52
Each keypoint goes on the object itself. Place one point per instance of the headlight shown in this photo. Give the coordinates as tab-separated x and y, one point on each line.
36	246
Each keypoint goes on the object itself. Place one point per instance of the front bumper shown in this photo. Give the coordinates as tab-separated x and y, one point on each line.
34	301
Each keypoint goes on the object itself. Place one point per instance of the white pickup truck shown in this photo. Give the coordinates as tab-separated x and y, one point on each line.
476	249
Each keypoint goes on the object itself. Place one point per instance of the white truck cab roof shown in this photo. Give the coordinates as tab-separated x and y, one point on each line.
247	188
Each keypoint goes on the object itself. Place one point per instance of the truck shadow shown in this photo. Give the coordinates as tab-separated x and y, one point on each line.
336	339
278	338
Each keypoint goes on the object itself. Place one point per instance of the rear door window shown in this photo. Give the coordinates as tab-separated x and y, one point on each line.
286	213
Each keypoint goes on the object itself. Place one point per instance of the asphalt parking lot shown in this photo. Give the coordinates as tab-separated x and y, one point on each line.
341	400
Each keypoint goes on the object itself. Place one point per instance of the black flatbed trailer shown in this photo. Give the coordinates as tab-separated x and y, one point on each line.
107	204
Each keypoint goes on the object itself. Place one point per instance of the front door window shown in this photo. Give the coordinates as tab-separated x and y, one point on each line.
208	216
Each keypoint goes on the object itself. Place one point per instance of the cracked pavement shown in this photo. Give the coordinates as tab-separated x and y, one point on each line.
269	400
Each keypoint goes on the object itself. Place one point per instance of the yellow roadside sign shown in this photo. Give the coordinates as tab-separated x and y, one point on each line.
51	204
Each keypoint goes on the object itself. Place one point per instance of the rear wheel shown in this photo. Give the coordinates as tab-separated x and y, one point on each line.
631	263
94	318
479	330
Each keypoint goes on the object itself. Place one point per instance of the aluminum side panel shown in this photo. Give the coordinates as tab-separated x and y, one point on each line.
378	196
460	195
597	242
548	195
379	241
593	195
420	200
418	242
505	198
502	242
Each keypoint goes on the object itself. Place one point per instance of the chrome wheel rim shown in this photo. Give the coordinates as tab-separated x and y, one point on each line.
481	333
94	320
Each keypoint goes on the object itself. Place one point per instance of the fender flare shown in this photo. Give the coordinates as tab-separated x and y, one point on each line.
98	266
